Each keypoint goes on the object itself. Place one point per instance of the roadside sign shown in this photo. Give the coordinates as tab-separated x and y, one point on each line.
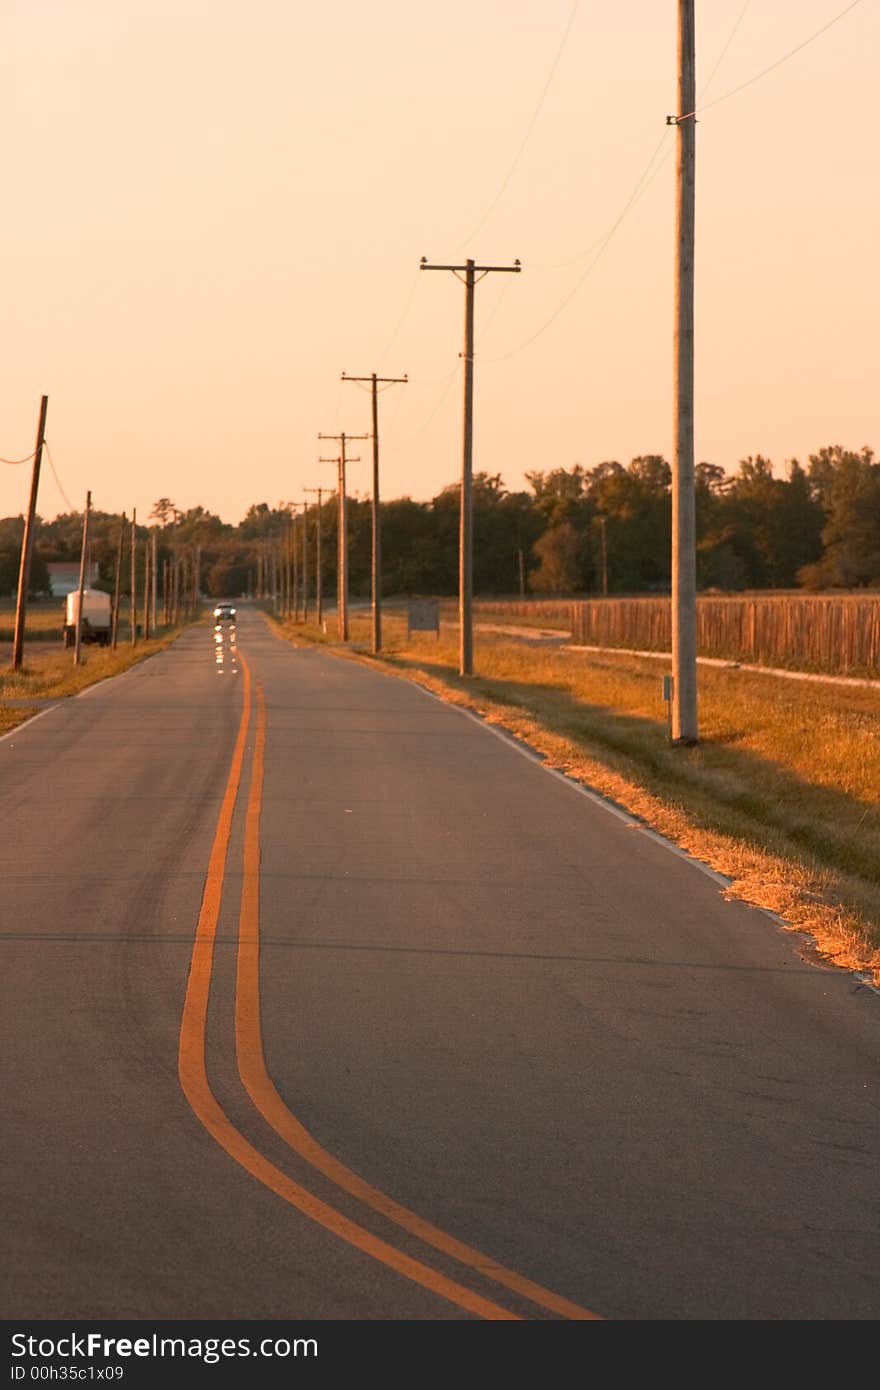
423	615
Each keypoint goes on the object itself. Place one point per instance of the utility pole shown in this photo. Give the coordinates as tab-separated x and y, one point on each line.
118	581
376	568
305	561
602	527
319	612
27	544
147	589
342	531
466	526
134	576
153	544
294	563
684	565
82	580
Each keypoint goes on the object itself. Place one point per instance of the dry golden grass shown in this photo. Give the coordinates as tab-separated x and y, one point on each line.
44	619
781	794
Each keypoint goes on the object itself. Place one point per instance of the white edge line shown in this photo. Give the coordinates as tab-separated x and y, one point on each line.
26	723
633	823
604	803
77	695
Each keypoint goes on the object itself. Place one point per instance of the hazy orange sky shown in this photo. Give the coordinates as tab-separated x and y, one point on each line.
214	209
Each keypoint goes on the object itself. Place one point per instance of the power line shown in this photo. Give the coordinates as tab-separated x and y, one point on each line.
721	56
673	120
55	476
525	140
380	357
15	462
647	174
633	198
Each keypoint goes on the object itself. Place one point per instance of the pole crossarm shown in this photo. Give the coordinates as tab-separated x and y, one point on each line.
477	269
383	380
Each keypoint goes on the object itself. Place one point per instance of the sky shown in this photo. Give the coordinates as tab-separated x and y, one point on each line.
213	210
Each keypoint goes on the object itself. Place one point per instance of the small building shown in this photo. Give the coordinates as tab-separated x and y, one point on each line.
64	576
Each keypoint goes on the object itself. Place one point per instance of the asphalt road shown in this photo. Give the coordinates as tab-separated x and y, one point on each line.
321	1000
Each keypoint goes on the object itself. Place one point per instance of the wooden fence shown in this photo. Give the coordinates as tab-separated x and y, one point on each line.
838	634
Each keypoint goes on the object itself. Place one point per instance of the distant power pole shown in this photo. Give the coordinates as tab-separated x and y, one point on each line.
684	565
466	527
134	576
376	574
82	580
153	567
118	581
294	557
319	612
305	560
342	533
27	544
146	588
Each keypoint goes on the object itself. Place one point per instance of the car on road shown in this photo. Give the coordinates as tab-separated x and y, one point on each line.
224	612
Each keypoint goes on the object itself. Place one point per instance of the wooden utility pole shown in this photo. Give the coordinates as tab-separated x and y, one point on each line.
82	580
153	568
27	544
604	539
134	576
684	565
305	561
342	530
319	612
147	588
466	524
376	567
117	585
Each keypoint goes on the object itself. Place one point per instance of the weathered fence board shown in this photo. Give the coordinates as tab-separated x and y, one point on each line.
839	634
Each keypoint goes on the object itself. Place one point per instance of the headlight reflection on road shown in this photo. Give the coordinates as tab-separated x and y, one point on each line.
224	649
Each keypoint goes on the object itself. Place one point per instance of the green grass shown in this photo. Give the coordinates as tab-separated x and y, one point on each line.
781	793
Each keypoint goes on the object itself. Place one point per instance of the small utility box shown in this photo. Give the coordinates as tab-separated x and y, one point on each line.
423	615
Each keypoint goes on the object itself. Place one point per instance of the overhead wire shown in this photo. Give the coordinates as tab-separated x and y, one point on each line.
70	508
647	176
15	462
723	54
525	140
637	192
380	357
734	91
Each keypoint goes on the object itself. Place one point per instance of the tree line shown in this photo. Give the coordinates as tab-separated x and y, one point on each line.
578	530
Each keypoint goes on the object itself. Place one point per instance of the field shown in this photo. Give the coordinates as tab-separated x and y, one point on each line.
781	794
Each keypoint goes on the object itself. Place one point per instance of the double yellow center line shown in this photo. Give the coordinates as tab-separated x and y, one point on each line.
192	1069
